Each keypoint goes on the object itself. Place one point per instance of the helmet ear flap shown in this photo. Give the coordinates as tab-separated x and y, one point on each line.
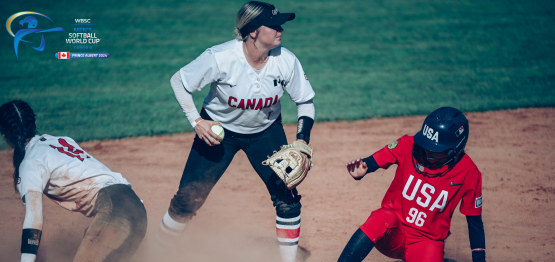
418	153
461	147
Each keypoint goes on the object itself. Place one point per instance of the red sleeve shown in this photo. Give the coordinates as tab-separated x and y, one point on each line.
471	202
391	153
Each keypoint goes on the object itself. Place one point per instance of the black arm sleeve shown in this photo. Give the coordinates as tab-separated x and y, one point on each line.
477	238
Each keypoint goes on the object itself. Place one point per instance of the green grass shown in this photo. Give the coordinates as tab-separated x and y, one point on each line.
364	59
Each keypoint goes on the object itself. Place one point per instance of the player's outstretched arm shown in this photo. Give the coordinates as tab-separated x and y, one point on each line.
32	226
357	168
204	131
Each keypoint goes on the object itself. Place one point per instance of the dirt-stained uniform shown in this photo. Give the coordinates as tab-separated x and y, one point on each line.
416	210
434	175
60	169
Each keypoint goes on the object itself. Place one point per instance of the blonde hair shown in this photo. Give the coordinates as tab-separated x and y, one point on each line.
246	14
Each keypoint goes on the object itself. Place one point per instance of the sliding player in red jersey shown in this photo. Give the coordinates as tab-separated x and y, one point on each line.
433	175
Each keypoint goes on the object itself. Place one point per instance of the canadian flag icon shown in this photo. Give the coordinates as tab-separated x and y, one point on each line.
62	55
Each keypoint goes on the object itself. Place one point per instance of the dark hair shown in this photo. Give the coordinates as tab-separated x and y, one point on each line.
17	123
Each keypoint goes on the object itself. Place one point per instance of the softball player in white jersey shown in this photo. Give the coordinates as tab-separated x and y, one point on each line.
248	76
58	168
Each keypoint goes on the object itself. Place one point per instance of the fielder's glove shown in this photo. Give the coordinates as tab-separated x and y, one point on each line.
291	163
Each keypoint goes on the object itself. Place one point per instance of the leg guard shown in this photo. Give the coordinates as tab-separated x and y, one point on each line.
287	202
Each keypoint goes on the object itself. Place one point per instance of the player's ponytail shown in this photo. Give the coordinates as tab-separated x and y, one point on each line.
246	14
17	124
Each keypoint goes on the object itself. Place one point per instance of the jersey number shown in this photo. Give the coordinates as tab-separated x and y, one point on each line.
71	150
416	217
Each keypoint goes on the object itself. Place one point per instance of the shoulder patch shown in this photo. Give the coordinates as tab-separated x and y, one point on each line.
42	139
19	180
393	144
478	202
305	77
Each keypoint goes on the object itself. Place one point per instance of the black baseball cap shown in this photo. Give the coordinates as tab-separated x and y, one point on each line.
269	17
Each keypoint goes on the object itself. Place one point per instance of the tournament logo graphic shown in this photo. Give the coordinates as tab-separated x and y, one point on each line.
32	23
460	131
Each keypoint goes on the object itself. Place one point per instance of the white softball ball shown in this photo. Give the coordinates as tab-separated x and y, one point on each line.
218	130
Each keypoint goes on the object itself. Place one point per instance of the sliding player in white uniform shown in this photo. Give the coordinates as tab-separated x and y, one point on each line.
58	168
248	76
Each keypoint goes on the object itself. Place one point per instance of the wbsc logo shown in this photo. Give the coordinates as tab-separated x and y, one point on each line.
32	23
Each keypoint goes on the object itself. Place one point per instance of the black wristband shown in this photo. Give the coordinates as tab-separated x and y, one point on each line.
371	164
30	240
304	126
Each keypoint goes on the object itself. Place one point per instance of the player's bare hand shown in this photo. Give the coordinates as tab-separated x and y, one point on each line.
302	141
357	168
204	132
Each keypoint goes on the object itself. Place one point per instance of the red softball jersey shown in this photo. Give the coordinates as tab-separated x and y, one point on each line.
425	205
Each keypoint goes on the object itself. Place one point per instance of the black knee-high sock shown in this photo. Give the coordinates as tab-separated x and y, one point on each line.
357	249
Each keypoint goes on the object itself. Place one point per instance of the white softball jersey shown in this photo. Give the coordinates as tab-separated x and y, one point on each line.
64	172
241	99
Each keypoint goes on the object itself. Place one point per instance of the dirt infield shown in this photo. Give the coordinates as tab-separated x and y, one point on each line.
513	149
